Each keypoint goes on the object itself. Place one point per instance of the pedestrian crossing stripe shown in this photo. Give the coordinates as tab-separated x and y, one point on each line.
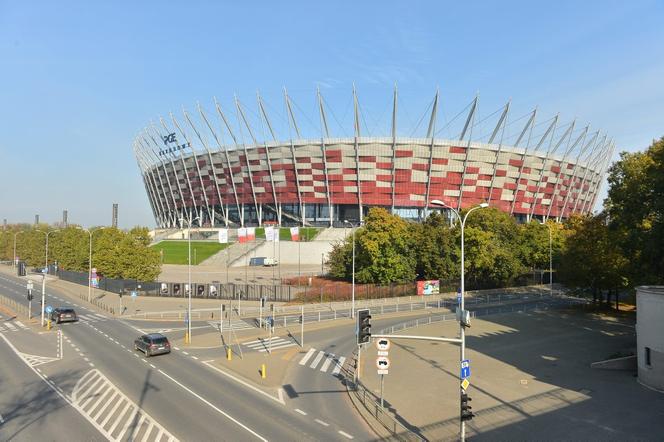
93	317
13	326
275	343
117	416
236	324
328	360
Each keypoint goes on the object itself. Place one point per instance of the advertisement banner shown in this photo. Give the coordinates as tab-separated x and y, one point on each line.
242	235
94	280
431	287
269	234
295	233
223	236
251	233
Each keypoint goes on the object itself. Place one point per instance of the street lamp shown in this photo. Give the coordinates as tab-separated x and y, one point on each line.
352	226
20	231
44	272
187	338
550	259
462	330
90	233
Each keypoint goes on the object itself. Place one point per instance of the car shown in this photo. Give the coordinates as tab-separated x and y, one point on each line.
63	314
152	344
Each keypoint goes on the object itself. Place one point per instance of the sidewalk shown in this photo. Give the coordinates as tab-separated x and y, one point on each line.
523	374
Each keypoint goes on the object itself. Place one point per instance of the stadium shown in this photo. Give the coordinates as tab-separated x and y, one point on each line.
210	167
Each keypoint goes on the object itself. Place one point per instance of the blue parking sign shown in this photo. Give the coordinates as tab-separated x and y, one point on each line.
465	368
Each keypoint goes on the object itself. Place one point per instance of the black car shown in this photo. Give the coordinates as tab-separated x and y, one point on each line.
63	314
152	344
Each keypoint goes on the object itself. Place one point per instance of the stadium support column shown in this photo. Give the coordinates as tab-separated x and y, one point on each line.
292	125
549	151
572	177
198	171
593	160
394	143
186	175
431	134
246	156
212	167
221	147
324	134
600	179
568	150
267	152
502	123
144	149
357	152
529	128
470	122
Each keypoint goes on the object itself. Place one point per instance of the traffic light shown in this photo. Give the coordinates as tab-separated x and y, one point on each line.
363	326
466	413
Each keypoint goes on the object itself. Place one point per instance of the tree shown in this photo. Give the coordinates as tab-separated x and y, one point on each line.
436	251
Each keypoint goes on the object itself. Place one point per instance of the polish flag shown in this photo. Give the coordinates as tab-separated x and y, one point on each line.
251	233
295	233
242	235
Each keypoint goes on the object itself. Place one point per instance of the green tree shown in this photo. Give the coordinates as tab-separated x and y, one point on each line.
436	250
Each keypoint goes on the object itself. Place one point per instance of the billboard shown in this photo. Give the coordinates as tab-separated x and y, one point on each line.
429	287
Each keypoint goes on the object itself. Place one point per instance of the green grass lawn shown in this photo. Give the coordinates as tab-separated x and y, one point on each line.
176	252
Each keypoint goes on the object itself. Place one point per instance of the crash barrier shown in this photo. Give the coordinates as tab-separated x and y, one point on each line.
16	307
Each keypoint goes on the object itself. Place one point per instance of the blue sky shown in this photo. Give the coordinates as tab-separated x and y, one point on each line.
80	79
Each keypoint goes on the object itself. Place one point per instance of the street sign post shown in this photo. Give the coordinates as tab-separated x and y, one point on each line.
29	287
465	368
382	364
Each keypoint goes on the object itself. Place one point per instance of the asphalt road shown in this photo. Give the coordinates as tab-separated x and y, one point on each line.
181	394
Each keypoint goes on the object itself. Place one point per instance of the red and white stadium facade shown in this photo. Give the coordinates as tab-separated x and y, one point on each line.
198	168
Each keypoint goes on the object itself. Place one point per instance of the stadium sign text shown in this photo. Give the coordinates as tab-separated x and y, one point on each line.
170	139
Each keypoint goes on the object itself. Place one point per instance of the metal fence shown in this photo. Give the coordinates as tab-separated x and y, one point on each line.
17	307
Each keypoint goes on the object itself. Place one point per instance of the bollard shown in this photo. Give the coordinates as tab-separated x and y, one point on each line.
229	354
48	324
186	337
263	371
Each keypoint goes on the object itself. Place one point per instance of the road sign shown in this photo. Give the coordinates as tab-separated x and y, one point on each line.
383	344
383	371
382	353
30	285
382	362
134	293
465	368
49	309
465	384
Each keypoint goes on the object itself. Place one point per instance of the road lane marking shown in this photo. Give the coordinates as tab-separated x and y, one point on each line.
325	424
328	360
346	435
301	412
307	356
240	381
205	401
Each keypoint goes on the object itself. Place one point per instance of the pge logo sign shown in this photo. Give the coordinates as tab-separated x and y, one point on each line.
170	138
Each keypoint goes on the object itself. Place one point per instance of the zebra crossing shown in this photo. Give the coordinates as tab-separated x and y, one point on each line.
12	326
114	414
237	324
273	343
92	317
329	360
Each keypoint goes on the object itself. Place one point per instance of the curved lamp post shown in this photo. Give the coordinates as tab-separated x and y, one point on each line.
187	338
462	331
353	226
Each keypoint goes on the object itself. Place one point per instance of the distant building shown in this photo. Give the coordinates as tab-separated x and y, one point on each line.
650	335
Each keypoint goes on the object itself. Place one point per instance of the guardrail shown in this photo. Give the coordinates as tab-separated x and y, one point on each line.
17	307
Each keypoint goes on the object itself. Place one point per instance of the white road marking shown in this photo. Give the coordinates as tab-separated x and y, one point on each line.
228	416
301	412
339	364
306	357
344	434
328	360
319	356
240	381
325	424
